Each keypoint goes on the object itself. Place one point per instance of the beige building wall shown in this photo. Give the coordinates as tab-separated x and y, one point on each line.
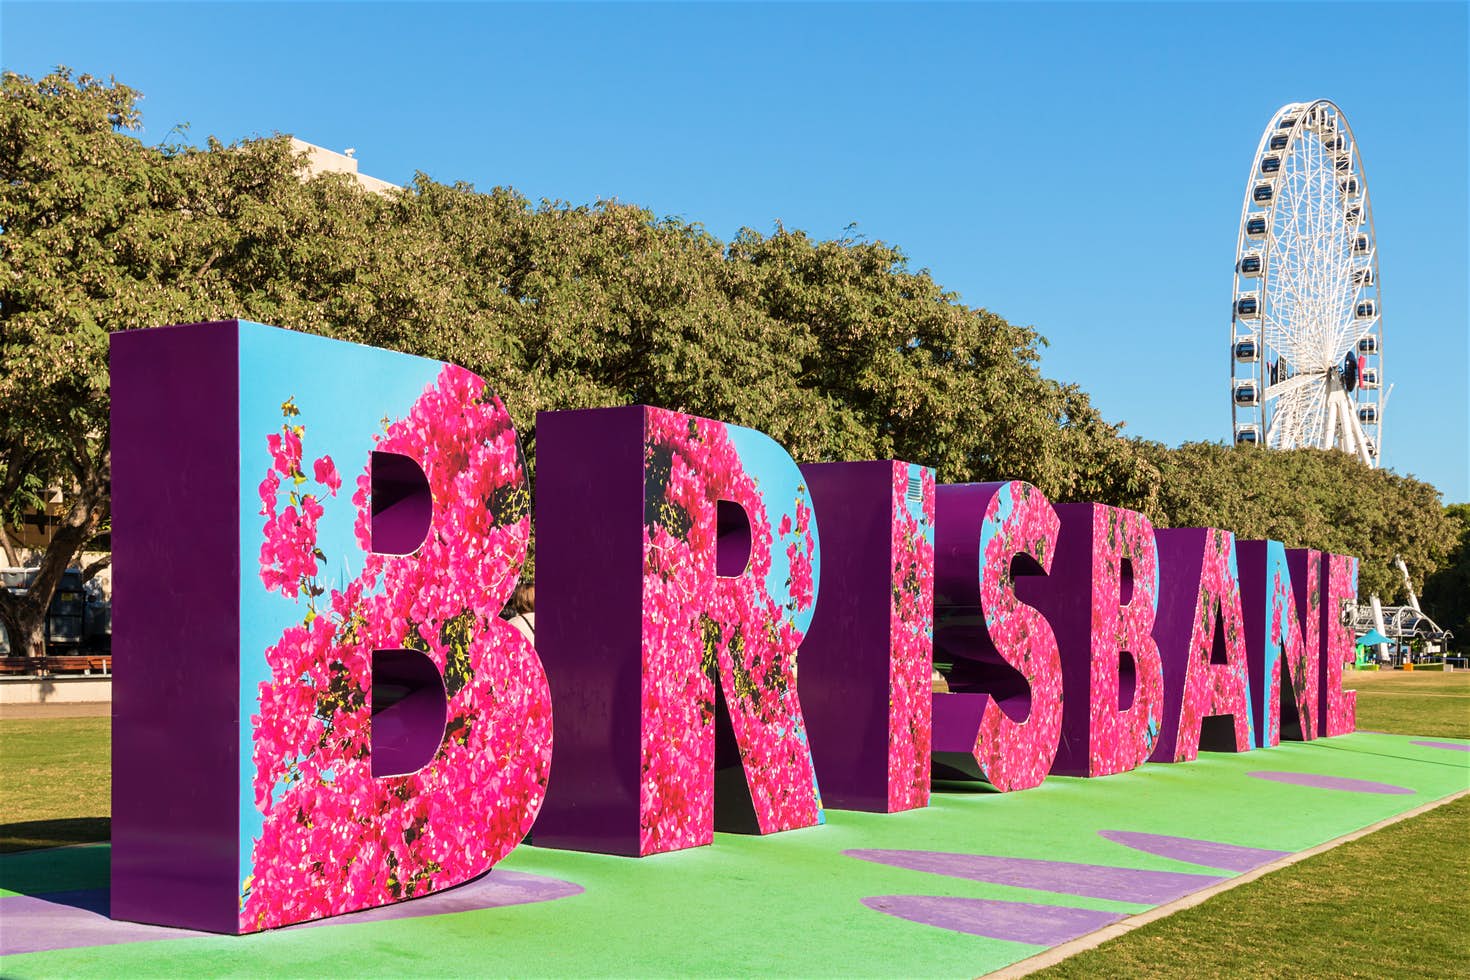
320	160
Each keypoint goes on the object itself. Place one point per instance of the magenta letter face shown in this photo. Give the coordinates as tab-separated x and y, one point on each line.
867	662
1006	679
1201	637
1125	582
719	518
1274	638
1302	672
1100	599
911	631
1339	708
736	622
394	734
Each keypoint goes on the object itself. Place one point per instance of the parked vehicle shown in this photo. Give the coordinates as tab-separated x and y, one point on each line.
65	618
78	620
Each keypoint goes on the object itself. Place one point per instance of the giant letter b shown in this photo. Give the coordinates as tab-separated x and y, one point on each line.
317	708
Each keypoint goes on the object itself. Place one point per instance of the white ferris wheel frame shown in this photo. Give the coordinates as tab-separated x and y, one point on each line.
1314	272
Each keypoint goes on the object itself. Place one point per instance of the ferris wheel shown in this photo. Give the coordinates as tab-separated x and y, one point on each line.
1306	325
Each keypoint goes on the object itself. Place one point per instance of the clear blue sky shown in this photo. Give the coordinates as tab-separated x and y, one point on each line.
1075	167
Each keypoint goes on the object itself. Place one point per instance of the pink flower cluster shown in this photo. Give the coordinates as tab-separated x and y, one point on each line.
1013	755
911	632
699	627
1341	716
1209	688
1285	641
1303	659
335	838
1123	740
288	556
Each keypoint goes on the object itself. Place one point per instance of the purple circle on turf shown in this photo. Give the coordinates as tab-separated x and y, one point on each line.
1017	922
1332	782
1211	853
73	919
1063	877
1453	746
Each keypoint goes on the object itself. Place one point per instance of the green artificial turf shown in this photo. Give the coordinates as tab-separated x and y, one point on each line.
789	904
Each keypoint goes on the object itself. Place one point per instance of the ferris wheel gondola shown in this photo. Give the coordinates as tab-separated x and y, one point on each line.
1306	325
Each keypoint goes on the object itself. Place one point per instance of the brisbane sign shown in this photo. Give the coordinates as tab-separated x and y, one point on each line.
318	709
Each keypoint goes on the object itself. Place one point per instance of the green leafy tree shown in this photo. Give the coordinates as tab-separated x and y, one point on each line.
100	233
837	349
1309	498
1447	591
61	190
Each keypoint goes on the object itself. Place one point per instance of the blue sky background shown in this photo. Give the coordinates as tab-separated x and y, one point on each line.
1075	167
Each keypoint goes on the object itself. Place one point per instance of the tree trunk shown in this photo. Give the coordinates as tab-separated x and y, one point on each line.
25	615
33	635
9	553
25	623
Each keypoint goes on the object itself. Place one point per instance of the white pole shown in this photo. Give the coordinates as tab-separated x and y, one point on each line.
1378	623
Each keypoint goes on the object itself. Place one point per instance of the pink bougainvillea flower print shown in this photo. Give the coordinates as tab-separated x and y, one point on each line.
702	629
911	635
326	474
1019	522
1339	714
1302	659
1279	633
1122	739
288	555
1215	661
335	838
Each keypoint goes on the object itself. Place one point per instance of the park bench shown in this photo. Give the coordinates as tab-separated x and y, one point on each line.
78	664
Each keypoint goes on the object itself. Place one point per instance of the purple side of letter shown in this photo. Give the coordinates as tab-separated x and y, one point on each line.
959	627
845	655
175	708
589	577
1181	561
1255	605
1065	599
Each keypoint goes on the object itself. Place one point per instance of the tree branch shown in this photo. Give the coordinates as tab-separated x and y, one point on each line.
7	547
90	572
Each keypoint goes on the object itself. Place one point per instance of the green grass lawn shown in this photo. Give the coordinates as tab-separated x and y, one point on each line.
1413	702
57	778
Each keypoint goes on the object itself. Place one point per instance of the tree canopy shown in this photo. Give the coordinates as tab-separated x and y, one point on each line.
1309	498
837	349
1446	595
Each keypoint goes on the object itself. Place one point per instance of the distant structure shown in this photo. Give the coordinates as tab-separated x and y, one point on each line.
320	160
1306	324
1402	625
